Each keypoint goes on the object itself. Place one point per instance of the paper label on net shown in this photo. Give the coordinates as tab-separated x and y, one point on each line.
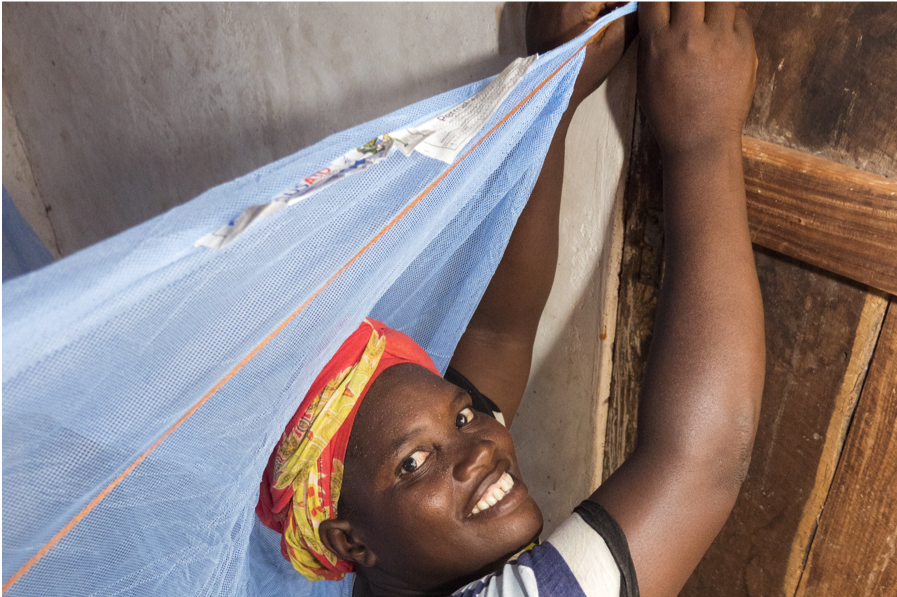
444	136
441	138
356	160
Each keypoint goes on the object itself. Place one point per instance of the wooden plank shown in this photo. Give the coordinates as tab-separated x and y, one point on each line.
855	549
841	219
825	80
825	87
640	274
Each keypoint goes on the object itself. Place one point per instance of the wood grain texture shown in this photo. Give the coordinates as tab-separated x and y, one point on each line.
825	80
855	549
841	219
640	274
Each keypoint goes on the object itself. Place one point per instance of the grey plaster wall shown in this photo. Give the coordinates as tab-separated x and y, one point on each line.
114	113
127	110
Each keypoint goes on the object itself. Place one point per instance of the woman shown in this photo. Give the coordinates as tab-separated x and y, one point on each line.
409	480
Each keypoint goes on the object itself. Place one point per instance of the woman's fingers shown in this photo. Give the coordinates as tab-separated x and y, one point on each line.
686	13
653	16
696	77
656	15
742	22
593	10
720	14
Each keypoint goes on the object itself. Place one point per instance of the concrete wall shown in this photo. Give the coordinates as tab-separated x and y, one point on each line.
572	361
127	110
114	113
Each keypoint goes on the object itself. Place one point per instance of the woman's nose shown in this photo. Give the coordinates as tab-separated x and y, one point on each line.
473	456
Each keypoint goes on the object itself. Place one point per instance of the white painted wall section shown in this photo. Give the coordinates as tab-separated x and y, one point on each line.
559	430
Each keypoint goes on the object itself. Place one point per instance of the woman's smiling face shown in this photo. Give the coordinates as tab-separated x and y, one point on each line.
433	487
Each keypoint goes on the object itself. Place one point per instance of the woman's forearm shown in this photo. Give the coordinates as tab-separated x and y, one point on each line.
701	393
704	380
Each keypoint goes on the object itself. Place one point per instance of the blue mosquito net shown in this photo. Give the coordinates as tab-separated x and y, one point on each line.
147	378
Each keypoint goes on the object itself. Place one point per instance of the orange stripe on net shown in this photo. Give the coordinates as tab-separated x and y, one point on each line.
102	495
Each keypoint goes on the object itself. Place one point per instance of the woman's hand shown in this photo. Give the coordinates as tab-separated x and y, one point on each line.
551	24
697	69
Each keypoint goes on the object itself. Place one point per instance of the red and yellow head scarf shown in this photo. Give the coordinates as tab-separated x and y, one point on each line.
301	485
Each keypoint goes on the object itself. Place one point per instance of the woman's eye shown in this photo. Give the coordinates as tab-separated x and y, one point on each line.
464	417
414	462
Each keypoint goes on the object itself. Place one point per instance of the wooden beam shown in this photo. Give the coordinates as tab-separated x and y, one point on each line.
640	274
855	549
838	218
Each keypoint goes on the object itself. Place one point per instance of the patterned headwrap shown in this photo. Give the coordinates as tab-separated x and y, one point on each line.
301	485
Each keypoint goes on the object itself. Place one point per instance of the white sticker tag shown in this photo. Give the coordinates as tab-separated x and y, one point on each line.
444	136
354	161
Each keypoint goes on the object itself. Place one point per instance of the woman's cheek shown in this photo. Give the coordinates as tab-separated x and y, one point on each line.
434	500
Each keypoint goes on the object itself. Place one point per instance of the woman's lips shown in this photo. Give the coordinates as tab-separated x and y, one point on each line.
501	497
494	493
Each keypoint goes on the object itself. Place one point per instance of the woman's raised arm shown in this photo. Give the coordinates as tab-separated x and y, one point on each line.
496	351
701	394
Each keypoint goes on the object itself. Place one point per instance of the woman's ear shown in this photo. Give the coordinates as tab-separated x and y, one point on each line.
339	537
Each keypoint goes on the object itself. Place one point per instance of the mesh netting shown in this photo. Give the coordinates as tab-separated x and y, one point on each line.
146	380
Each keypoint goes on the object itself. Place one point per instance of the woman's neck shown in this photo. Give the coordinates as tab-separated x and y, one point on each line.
363	587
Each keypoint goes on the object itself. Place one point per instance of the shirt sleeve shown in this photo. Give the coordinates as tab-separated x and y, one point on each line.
587	556
603	524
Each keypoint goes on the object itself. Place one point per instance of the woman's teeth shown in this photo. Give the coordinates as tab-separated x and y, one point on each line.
495	493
